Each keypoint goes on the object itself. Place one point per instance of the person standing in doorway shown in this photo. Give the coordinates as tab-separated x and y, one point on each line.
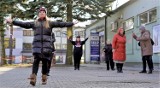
108	55
42	48
119	49
146	49
78	51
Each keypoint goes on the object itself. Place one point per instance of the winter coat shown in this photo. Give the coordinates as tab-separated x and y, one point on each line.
78	47
42	36
119	45
108	52
52	41
145	43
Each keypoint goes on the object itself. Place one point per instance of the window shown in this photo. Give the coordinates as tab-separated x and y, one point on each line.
129	24
58	34
64	34
143	18
152	15
28	33
60	46
64	46
57	46
27	46
147	17
6	43
114	26
79	33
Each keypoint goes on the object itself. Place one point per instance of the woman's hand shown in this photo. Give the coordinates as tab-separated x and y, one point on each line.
69	37
134	36
75	22
113	50
9	20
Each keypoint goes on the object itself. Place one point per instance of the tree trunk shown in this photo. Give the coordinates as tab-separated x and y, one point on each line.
11	44
3	55
69	33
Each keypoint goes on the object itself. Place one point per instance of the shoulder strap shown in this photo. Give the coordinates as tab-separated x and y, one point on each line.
152	42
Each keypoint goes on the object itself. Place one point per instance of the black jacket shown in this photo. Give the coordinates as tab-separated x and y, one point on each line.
42	36
78	49
108	51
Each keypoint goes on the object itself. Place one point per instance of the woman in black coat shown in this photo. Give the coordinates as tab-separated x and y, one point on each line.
42	48
108	56
78	51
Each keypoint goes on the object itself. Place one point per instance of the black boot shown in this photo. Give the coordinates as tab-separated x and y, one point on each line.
150	71
143	71
118	70
118	67
75	67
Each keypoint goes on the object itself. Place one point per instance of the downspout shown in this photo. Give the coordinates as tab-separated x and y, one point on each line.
105	30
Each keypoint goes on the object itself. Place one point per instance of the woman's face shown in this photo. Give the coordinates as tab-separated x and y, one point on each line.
78	39
121	31
42	14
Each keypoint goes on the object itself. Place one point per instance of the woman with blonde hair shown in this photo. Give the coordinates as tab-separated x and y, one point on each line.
42	48
119	49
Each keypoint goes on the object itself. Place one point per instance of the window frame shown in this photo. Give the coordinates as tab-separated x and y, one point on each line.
24	48
128	28
28	33
148	17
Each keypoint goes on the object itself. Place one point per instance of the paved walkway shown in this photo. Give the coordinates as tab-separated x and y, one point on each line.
89	76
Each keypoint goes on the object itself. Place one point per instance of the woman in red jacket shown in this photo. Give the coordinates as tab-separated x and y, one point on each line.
119	49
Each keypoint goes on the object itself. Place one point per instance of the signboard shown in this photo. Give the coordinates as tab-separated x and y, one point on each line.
95	49
156	39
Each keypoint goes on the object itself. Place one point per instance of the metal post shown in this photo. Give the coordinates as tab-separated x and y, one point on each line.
105	30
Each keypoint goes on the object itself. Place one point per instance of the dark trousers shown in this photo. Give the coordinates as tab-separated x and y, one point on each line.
147	59
77	59
119	67
49	65
49	62
111	63
35	66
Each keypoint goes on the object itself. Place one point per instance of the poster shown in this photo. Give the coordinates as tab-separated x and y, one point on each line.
156	39
95	49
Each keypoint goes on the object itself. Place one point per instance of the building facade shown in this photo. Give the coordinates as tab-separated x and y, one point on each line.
22	44
131	16
61	42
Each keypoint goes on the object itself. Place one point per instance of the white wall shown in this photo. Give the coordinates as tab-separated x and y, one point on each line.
27	39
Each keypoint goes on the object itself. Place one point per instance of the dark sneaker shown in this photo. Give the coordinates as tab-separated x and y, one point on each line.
143	72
